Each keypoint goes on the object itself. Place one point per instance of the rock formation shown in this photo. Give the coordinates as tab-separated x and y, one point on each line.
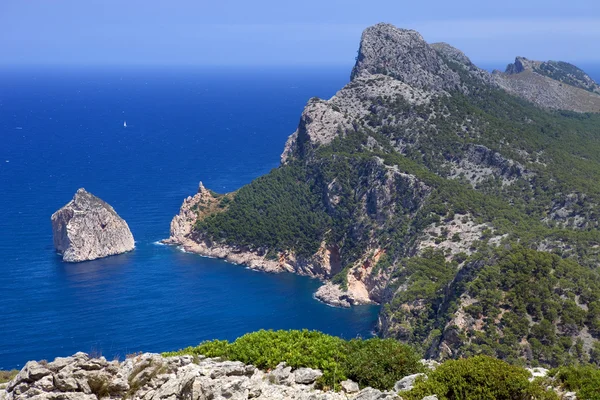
550	84
423	166
182	223
153	377
88	228
404	55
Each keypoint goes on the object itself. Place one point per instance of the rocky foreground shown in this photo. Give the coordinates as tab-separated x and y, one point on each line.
88	228
151	376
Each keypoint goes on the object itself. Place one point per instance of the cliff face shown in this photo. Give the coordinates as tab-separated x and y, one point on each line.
404	55
87	228
396	188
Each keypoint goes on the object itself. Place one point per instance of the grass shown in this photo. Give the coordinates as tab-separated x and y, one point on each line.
6	376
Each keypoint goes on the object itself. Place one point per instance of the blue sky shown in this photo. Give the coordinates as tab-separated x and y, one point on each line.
280	32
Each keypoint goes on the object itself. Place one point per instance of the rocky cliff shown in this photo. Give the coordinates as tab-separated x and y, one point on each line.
395	189
150	376
88	228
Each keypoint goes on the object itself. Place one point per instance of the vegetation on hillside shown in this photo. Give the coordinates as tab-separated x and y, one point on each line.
583	379
373	362
530	181
380	363
564	72
478	378
517	304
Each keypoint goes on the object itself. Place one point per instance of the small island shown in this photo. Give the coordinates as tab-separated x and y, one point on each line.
88	228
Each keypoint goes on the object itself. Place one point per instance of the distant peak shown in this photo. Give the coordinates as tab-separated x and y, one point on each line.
404	55
521	64
558	70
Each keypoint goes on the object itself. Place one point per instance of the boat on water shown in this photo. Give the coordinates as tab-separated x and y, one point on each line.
124	124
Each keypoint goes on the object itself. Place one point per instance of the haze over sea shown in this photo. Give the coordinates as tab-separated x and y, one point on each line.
62	129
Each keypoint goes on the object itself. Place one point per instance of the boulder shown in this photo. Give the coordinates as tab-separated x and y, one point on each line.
374	394
349	386
306	376
282	374
407	383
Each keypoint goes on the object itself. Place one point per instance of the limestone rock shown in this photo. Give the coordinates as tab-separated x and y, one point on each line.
349	386
182	223
88	228
282	374
306	376
333	294
374	394
429	364
404	55
456	56
153	377
408	382
537	372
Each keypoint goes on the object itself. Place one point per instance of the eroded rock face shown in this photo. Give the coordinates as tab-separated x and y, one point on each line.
404	55
88	228
151	376
182	223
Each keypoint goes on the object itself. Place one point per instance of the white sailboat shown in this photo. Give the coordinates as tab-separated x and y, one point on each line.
124	124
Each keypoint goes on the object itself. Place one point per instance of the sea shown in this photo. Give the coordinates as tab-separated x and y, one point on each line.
63	128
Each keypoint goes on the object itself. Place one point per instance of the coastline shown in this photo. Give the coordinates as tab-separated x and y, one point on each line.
328	293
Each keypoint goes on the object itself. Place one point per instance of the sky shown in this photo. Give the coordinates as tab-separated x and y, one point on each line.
286	32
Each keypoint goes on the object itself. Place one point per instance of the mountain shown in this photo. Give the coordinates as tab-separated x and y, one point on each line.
551	84
465	206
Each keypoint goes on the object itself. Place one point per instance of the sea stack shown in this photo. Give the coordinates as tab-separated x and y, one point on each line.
88	228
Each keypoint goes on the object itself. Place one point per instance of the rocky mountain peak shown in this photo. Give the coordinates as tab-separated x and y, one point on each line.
88	228
404	55
83	200
550	84
521	64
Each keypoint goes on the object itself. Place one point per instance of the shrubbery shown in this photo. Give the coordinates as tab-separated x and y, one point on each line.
6	376
374	362
380	363
479	378
585	380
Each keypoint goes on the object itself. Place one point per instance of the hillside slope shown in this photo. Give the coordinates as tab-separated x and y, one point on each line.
469	213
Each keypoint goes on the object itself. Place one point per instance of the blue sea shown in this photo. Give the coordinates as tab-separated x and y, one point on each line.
62	128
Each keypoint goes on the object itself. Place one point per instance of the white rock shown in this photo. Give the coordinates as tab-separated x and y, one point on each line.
87	228
306	376
349	386
408	382
537	373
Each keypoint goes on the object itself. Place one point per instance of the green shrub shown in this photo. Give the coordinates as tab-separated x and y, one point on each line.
374	362
479	378
380	363
585	380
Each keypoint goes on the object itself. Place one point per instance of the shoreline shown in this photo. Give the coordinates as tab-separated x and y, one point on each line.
328	293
